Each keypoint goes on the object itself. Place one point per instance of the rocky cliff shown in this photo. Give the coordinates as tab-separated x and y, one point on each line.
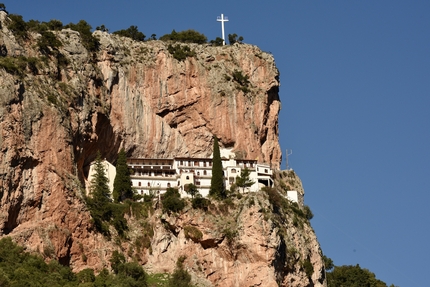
61	104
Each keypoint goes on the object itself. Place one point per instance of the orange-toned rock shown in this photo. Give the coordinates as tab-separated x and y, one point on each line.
55	116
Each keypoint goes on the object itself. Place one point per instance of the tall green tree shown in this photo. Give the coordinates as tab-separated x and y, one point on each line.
243	180
217	189
122	187
99	201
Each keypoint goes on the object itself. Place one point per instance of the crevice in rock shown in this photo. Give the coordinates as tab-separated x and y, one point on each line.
65	260
13	213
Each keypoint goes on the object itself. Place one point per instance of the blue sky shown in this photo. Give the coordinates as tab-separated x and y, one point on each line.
355	87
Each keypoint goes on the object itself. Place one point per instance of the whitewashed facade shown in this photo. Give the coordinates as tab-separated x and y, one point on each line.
156	175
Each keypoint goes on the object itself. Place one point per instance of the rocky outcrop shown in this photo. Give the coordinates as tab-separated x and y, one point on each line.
58	108
241	243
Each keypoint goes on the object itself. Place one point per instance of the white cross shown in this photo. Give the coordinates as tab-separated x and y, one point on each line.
222	19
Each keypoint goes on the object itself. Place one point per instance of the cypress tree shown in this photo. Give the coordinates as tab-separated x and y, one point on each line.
99	200
217	182
122	184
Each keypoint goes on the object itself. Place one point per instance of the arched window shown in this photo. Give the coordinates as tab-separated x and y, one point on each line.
233	170
187	177
204	172
168	184
198	173
139	183
149	184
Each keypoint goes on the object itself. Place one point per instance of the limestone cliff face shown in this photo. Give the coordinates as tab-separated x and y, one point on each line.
58	109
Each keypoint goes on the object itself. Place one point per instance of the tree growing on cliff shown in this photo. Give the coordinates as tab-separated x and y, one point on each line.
233	38
217	189
131	32
243	180
99	199
122	187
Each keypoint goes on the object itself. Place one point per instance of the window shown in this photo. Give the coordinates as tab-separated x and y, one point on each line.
204	172
198	173
197	182
149	184
196	163
265	170
139	183
187	177
168	184
233	170
181	163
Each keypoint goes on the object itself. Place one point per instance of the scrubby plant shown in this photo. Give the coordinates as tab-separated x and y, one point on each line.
192	233
233	38
180	52
217	42
172	201
88	40
187	36
180	277
132	32
200	202
18	26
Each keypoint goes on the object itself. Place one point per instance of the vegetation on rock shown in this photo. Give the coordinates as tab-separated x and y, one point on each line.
132	32
217	189
172	201
353	276
122	187
102	210
90	42
19	268
180	52
180	278
233	38
187	36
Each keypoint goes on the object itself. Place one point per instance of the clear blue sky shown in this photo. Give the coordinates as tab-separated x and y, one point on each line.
355	87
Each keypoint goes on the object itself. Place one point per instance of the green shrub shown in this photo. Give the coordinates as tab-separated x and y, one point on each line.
88	40
131	32
48	41
187	36
192	233
180	52
308	267
230	234
172	201
217	42
200	203
14	66
18	26
181	277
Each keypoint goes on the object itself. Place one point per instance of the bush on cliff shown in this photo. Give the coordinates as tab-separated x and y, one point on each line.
132	32
187	36
88	40
19	268
172	201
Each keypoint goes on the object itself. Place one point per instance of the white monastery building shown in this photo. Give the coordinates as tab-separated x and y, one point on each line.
152	175
156	175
